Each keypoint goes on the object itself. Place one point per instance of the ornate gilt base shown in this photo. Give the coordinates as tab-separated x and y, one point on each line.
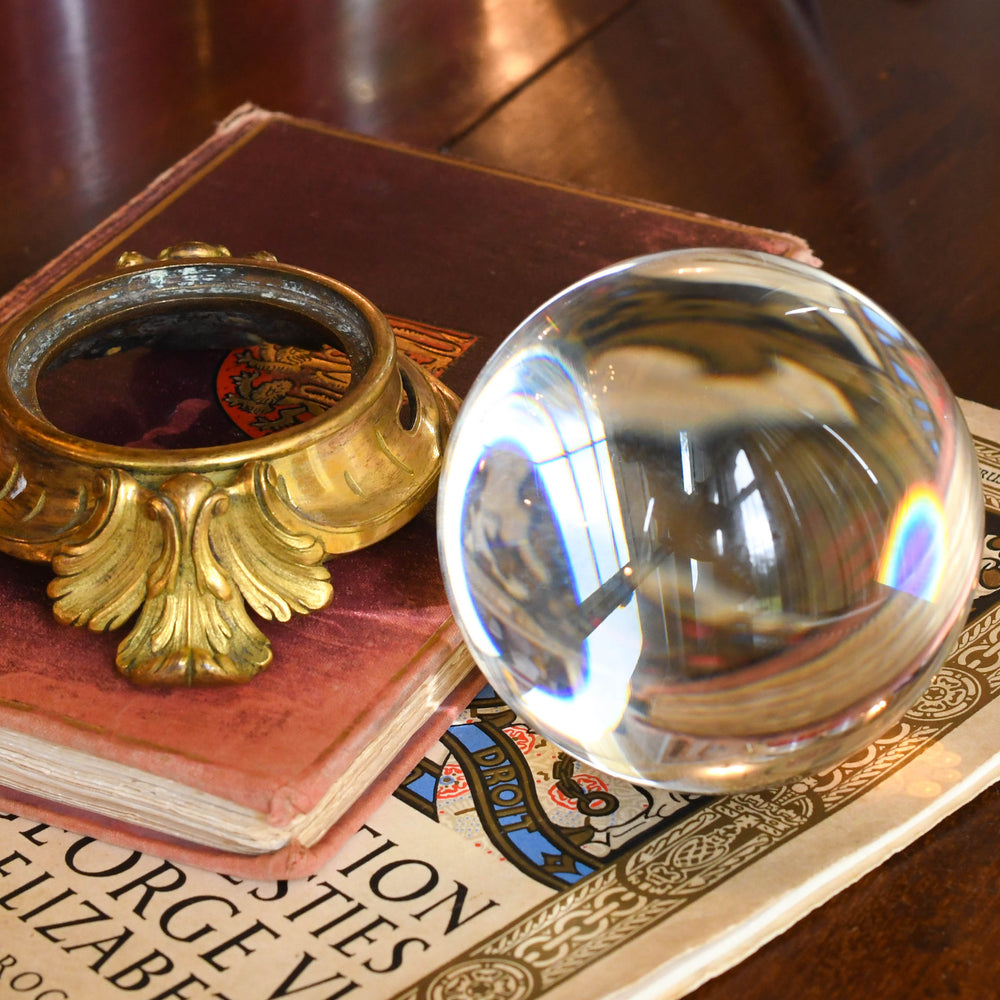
184	540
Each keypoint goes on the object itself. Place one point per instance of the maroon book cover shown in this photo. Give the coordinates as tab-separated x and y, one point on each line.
457	255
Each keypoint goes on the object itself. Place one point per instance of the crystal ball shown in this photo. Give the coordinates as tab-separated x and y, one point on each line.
710	520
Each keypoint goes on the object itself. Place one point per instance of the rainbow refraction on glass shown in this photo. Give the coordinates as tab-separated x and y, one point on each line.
710	519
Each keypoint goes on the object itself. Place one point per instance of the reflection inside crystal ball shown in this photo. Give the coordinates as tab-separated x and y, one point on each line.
710	520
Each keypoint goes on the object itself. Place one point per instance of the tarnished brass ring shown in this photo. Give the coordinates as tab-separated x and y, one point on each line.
188	537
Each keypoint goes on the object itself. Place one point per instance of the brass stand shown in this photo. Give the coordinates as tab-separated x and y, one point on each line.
189	537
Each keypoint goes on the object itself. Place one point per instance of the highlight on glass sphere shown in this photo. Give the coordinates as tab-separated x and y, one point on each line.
710	520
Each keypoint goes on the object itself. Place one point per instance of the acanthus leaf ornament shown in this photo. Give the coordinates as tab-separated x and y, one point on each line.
182	542
101	571
189	556
278	569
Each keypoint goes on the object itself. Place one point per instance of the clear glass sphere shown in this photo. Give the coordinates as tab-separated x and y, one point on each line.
710	519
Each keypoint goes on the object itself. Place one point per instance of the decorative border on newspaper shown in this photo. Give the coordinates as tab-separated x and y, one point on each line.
713	839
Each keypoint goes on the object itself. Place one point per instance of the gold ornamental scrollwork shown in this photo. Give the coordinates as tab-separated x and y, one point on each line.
181	543
189	557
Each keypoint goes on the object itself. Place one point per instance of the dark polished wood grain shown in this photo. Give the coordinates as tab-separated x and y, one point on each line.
99	97
870	127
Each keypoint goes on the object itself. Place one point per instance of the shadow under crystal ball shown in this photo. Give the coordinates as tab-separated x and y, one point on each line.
710	519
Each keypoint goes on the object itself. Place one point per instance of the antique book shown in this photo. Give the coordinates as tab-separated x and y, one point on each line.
272	777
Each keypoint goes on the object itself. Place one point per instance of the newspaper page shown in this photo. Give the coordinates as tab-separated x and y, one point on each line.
504	868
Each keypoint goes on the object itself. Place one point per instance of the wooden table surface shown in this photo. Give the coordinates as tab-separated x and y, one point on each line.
869	127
